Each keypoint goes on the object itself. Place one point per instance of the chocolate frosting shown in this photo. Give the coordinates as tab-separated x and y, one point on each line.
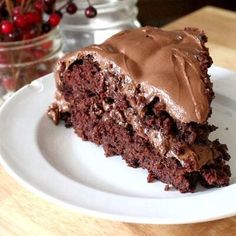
164	61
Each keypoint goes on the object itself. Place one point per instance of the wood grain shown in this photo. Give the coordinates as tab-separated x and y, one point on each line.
219	25
159	12
22	213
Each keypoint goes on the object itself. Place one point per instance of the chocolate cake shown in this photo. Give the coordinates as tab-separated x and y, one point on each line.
145	94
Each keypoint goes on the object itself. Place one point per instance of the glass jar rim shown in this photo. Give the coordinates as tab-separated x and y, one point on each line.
101	5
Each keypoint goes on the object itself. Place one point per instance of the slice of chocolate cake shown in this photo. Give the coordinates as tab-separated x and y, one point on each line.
145	94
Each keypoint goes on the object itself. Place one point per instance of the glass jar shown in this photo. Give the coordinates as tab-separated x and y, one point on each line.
24	61
113	16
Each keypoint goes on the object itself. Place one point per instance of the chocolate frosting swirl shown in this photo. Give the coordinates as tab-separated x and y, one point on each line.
165	62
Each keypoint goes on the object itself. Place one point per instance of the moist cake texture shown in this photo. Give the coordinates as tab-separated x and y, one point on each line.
145	94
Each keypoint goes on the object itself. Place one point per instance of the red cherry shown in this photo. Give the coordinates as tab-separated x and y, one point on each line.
38	5
16	11
54	19
71	8
90	12
14	36
3	59
47	46
38	53
46	27
8	83
49	2
29	34
47	9
20	21
32	18
6	27
29	17
59	13
37	17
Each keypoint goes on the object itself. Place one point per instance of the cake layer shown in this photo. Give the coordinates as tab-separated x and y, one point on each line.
137	152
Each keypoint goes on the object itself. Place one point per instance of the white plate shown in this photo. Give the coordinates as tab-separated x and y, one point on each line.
53	162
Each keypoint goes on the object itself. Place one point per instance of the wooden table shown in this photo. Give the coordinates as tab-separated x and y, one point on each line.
219	25
22	213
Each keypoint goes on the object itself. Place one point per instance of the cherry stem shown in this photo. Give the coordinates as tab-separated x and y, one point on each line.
1	3
64	5
89	3
9	5
22	3
27	5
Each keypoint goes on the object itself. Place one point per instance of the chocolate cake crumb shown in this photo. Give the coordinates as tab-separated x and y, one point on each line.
151	178
54	114
167	187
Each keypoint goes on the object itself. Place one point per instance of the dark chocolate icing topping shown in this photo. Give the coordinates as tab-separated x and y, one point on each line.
165	62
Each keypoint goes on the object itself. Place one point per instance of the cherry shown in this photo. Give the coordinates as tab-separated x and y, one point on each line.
59	13
54	19
29	34
8	83
49	2
47	9
20	21
47	45
32	18
16	11
38	6
71	8
14	36
38	53
90	12
3	59
37	17
27	17
6	27
46	27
